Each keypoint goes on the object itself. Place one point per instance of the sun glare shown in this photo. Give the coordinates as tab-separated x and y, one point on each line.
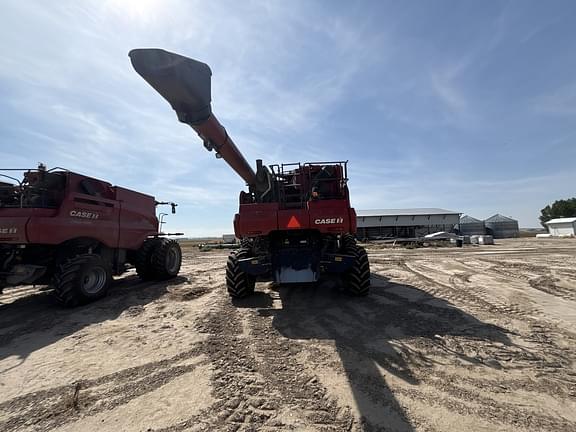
138	10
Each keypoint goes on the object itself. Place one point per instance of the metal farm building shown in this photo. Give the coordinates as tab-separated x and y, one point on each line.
562	227
502	227
404	223
471	226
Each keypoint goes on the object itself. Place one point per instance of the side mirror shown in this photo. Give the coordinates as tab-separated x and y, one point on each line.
173	205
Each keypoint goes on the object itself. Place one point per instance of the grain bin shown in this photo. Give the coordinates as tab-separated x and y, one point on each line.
471	226
501	226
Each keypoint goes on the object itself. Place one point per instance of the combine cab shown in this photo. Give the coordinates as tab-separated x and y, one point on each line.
75	232
295	221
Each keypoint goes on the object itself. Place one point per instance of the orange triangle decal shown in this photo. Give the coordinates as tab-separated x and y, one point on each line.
293	223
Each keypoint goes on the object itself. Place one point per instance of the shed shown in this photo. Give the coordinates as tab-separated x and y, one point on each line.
562	227
404	223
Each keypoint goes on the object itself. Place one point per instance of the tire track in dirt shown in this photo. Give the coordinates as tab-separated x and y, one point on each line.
494	412
552	363
278	357
351	329
482	301
258	383
539	277
412	364
542	331
47	314
547	284
466	401
373	387
40	312
542	385
478	300
47	409
242	401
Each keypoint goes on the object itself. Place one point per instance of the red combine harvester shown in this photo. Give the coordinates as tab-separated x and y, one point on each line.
74	232
295	222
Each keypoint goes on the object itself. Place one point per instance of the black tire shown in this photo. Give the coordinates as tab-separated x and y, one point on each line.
357	278
166	259
246	243
238	283
347	242
82	279
143	260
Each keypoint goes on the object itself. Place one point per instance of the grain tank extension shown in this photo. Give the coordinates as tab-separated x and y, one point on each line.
295	221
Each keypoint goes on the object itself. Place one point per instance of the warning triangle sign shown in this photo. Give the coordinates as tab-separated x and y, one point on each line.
293	223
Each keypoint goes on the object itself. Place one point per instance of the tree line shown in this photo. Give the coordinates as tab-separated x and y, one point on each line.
559	209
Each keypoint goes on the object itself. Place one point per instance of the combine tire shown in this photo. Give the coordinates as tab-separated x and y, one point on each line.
246	243
357	278
143	259
165	259
238	283
82	279
348	242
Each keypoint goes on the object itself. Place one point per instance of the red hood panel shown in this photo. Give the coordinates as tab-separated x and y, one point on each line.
13	229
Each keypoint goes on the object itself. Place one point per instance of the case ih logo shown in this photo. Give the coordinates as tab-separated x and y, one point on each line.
329	221
10	230
84	214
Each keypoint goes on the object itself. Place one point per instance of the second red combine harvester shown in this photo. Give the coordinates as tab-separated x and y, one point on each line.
295	222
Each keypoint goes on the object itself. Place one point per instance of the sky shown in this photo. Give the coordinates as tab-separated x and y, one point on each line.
464	105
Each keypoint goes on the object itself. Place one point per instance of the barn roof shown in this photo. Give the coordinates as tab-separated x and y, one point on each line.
561	220
405	212
469	220
500	218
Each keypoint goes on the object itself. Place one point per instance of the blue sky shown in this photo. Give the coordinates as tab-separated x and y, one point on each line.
464	105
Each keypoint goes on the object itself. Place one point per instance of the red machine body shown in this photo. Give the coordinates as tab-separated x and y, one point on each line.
112	215
296	208
74	232
327	217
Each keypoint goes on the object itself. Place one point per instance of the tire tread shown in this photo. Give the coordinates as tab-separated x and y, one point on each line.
238	283
66	285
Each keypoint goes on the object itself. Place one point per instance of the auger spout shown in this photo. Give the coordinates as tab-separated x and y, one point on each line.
185	84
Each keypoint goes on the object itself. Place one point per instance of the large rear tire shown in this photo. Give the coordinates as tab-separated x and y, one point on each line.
158	259
82	279
238	283
166	259
357	278
143	260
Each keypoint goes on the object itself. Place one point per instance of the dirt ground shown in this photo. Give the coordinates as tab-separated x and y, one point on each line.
476	339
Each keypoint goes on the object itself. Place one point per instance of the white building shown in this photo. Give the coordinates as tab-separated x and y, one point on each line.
228	238
562	227
406	223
